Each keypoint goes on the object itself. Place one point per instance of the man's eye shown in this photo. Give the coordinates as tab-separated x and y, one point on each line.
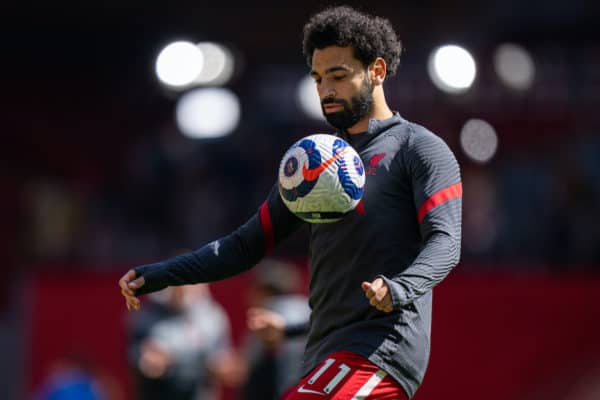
339	77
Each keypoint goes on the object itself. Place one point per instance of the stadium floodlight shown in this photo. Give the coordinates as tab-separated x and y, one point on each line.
514	66
308	98
479	140
452	68
205	113
218	66
179	64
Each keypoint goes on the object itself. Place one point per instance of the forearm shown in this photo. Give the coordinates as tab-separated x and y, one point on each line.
215	261
437	192
226	257
437	258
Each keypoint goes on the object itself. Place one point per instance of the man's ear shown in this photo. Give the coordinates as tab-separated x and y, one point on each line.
377	71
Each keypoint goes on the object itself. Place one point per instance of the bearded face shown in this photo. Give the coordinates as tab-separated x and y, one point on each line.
359	106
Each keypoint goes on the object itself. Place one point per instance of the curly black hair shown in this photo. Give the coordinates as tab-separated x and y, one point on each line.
342	26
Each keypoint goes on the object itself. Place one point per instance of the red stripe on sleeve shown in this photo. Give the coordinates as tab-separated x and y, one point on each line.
439	198
267	226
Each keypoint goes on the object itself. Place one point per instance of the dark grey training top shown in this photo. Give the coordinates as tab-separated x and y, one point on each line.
407	229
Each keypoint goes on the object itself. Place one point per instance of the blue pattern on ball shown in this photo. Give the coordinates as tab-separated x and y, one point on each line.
350	188
314	159
358	165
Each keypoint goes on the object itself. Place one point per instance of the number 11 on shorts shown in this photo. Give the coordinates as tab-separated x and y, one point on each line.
343	371
346	376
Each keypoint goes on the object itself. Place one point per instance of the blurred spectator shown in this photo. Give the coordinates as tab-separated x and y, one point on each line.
54	216
572	237
180	346
74	378
274	358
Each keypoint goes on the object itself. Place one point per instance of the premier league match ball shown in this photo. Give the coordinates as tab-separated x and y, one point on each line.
321	178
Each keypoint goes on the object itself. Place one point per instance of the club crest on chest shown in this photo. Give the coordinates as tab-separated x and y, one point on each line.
371	168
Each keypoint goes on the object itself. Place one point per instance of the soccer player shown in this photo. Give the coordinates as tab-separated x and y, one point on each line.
372	273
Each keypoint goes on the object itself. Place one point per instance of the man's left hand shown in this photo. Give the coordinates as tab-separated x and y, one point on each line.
378	294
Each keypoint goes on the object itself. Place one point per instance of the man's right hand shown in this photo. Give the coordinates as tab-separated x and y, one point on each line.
128	284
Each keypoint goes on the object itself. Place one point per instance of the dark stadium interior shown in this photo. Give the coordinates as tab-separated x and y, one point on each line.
96	176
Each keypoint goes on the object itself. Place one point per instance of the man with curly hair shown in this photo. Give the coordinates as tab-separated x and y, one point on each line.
372	273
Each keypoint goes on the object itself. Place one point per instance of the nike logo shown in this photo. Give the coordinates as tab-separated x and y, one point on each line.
215	246
312	174
302	390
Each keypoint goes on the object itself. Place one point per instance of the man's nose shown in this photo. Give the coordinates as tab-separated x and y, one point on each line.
327	92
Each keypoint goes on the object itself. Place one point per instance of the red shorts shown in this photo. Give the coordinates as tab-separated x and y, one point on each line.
346	376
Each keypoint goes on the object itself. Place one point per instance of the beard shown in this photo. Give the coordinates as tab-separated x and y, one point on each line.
359	107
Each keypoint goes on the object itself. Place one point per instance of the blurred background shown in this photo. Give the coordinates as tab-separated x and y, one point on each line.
115	152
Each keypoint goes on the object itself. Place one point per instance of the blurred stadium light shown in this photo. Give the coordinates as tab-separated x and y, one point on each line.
308	98
208	113
182	65
514	66
452	68
179	64
219	64
478	140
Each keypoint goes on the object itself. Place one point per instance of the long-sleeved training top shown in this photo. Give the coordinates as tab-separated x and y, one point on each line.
407	230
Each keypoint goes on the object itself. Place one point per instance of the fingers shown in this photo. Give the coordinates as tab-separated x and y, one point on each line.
137	283
128	284
132	303
124	282
378	294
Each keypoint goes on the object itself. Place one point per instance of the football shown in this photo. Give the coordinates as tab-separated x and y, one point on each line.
321	178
